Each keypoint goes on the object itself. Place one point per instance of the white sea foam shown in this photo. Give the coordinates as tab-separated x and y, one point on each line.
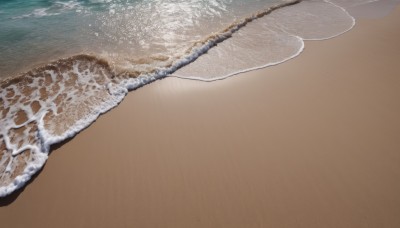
45	107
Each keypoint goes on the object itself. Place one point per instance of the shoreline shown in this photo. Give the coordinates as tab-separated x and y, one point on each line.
70	78
312	142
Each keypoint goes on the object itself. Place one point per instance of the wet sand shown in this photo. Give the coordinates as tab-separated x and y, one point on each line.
313	142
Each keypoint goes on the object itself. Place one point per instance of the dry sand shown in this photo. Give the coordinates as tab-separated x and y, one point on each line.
313	142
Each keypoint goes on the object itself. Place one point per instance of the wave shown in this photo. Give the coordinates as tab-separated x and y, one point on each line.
56	8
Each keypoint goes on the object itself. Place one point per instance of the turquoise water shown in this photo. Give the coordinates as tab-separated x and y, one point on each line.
36	31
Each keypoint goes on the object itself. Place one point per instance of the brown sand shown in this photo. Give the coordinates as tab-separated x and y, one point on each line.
314	142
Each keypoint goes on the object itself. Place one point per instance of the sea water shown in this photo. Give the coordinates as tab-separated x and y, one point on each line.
64	63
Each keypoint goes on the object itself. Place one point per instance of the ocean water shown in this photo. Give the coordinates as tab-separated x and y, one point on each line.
64	63
35	32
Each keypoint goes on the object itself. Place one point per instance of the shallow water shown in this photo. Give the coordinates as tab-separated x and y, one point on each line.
270	40
36	32
82	57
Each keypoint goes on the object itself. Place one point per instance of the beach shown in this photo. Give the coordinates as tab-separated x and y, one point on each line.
312	142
